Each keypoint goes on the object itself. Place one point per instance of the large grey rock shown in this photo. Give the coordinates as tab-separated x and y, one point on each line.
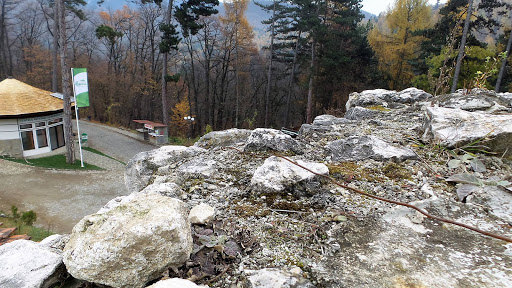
368	98
130	244
141	168
367	147
275	278
328	120
455	128
27	264
223	138
201	214
506	98
277	174
198	167
262	139
407	96
359	113
322	124
466	102
165	189
381	97
175	283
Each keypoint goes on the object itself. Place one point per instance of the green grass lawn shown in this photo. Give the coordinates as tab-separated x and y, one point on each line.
101	153
54	162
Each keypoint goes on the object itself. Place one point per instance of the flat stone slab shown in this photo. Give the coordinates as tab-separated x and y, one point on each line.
456	127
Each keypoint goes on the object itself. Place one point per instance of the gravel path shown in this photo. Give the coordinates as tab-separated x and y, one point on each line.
62	197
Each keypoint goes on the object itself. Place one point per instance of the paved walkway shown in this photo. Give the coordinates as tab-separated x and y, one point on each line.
117	143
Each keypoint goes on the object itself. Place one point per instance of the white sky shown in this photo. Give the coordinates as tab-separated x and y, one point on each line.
378	6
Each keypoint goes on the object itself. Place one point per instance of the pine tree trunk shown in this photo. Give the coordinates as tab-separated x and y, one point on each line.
290	83
66	89
55	85
269	73
504	63
309	109
462	46
165	109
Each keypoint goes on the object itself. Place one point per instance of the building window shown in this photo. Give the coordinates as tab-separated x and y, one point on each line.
42	140
57	136
27	138
25	126
42	132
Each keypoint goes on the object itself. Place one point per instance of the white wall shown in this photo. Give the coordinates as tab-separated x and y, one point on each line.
9	129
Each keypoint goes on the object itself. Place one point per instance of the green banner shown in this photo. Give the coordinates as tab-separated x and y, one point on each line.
80	86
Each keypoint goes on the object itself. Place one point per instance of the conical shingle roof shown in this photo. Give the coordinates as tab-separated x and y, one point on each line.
18	98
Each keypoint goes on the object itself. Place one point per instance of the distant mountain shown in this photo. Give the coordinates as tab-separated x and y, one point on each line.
254	13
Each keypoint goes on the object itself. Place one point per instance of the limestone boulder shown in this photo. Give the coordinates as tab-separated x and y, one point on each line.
175	283
223	138
25	263
407	96
323	124
328	120
201	214
278	175
143	166
359	113
387	98
506	98
165	189
456	127
357	148
262	139
368	98
276	278
131	243
470	102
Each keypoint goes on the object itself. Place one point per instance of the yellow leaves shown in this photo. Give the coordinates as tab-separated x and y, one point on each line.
179	112
119	18
394	42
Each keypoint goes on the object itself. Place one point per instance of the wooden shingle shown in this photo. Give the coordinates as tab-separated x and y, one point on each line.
18	98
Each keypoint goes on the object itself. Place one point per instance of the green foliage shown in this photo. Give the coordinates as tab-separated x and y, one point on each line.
28	218
182	141
208	129
23	222
488	69
190	11
170	38
104	31
172	78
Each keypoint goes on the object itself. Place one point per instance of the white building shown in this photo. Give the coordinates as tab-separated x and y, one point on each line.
30	120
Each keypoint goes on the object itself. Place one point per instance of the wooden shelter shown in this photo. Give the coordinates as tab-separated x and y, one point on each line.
31	120
155	133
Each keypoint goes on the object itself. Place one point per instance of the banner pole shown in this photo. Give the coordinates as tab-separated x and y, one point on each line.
77	124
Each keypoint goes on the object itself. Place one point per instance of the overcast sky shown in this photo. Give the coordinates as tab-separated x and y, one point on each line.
377	6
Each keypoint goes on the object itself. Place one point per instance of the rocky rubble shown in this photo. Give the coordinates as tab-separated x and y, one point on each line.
264	222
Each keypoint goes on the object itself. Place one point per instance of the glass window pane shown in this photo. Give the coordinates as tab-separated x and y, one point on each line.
25	126
40	124
27	138
41	138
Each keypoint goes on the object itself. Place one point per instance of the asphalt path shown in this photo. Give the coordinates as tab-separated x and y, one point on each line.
114	142
62	197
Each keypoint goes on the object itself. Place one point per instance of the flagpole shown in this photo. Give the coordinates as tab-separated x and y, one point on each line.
77	124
